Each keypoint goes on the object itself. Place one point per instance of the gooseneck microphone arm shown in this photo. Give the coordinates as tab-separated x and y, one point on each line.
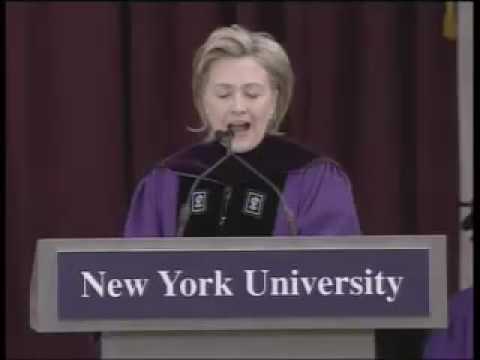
225	137
292	224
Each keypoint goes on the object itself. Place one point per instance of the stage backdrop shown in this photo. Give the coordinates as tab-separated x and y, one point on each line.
99	92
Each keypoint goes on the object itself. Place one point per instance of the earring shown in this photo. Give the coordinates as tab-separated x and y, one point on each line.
272	115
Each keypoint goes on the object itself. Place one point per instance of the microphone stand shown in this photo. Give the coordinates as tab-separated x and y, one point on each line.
225	137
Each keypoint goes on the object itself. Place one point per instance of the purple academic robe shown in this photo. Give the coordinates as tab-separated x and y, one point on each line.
456	341
318	192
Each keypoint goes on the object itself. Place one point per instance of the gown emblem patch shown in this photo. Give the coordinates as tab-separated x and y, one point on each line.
254	203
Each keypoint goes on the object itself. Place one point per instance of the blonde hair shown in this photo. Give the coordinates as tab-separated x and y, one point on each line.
236	41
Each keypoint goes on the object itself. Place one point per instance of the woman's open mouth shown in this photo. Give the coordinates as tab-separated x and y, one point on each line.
239	128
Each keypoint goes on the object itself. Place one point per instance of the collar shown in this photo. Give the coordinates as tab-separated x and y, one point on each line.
275	155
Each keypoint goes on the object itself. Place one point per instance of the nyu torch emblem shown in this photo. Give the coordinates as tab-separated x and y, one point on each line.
199	202
254	203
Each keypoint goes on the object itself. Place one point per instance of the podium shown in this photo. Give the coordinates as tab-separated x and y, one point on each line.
218	298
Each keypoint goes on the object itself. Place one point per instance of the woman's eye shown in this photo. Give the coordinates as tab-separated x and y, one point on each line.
253	96
222	96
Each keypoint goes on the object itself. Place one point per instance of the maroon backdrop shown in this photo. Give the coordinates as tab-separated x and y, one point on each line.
98	92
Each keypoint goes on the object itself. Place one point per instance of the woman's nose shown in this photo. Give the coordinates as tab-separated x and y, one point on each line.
238	105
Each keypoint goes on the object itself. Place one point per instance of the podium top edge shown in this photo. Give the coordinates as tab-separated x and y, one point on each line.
253	238
247	243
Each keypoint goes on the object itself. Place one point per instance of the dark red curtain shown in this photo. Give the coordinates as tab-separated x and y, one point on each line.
99	92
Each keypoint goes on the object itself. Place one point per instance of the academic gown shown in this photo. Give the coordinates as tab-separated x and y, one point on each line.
233	201
456	341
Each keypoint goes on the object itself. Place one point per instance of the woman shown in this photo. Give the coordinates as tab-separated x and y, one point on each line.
242	87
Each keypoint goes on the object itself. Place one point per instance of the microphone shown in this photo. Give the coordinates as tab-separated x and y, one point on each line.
225	138
292	224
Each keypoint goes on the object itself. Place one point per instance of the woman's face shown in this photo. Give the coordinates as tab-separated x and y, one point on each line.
238	96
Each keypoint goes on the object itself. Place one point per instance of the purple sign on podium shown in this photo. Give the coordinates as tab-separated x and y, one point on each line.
228	284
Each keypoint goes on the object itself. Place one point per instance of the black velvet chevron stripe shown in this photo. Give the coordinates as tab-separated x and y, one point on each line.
251	209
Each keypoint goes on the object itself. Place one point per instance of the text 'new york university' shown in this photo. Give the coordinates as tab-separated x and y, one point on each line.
254	282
